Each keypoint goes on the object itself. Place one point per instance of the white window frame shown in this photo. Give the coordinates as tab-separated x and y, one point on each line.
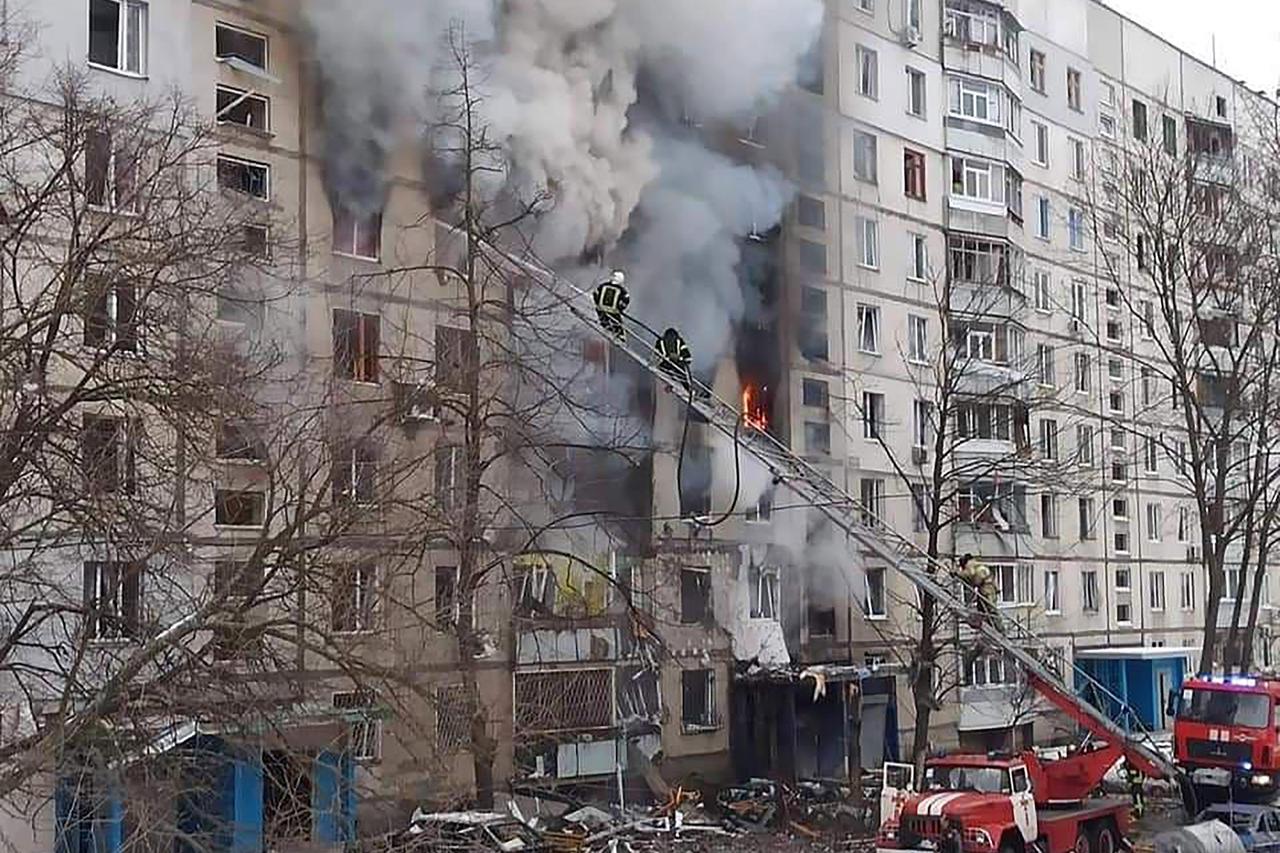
965	91
871	609
866	147
1084	444
1017	578
917	339
1041	152
868	242
917	92
1044	217
868	72
921	423
1150	454
125	41
1089	591
1052	592
1037	71
111	200
1083	368
1075	229
267	182
1042	285
919	258
1045	377
1049	528
869	329
1077	157
1049	439
1187	593
873	403
1153	522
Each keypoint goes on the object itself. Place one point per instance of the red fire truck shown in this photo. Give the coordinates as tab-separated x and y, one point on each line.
1004	804
1226	736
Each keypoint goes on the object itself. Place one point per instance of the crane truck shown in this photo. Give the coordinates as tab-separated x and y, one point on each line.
1009	804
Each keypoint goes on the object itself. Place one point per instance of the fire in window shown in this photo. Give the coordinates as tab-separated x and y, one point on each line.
355	345
356	233
354	598
109	454
698	700
111	315
113	599
355	473
110	174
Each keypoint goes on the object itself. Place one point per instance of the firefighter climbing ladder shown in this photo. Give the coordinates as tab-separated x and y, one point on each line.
1044	665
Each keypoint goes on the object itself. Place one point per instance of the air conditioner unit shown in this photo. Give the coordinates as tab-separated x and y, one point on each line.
1193	553
1075	325
911	36
919	455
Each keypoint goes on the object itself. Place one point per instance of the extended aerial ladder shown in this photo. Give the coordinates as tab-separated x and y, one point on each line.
1045	666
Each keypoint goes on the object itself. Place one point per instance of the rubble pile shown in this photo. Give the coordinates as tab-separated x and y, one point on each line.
760	814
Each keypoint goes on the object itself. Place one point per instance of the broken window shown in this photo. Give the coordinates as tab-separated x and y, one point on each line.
695	483
239	441
256	241
118	35
822	621
110	173
698	699
354	597
639	696
355	345
237	578
695	595
244	176
446	596
238	508
355	473
357	234
247	109
454	710
237	44
448	482
812	338
565	700
457	357
113	599
764	592
109	455
364	733
111	315
874	605
534	590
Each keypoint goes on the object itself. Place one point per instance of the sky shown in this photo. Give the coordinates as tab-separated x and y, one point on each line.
1247	33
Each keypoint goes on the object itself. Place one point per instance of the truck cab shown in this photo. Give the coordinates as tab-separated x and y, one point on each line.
1000	803
1226	731
986	799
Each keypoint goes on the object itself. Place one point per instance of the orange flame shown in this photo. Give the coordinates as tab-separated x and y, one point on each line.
753	410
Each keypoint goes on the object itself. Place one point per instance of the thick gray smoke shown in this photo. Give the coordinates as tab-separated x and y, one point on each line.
561	83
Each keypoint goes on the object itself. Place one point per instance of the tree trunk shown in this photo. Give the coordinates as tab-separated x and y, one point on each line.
1213	596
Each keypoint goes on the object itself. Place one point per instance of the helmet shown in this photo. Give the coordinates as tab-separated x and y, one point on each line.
618	277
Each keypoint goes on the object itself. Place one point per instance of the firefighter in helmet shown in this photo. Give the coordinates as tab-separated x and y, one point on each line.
1133	779
611	299
976	574
674	357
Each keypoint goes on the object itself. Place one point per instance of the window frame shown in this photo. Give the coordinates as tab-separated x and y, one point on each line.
359	224
869	328
123	42
913	174
249	164
917	106
868	64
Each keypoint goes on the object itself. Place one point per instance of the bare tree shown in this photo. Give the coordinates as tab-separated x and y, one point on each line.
1188	239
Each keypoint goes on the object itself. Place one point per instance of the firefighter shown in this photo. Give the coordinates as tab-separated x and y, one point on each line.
611	301
674	357
1133	777
976	574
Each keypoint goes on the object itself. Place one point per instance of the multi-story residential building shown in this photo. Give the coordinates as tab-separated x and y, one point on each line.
949	160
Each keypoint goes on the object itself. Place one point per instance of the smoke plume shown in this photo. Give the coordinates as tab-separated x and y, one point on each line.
562	87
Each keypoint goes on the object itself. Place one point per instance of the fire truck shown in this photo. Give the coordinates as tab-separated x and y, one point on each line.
1004	804
1226	736
970	803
